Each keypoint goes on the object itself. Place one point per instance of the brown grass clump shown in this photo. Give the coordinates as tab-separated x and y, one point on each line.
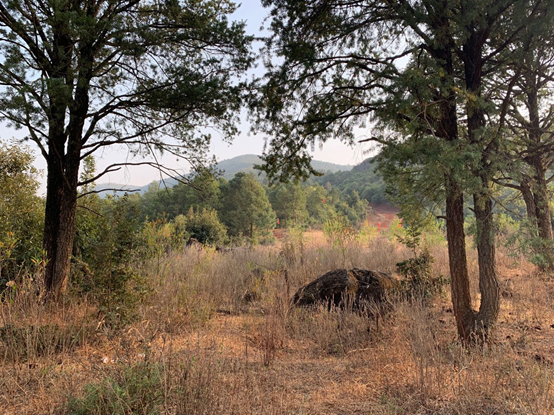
217	334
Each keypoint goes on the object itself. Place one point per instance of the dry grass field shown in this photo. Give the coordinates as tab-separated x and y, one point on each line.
217	334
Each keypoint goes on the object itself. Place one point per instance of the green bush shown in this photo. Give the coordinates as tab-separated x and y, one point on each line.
21	212
417	278
204	225
106	256
339	232
138	389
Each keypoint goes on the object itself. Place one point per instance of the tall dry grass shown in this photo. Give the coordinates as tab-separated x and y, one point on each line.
217	333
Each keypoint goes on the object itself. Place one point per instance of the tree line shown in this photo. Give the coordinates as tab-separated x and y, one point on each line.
211	210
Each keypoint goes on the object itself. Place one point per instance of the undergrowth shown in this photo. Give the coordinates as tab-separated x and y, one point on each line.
197	345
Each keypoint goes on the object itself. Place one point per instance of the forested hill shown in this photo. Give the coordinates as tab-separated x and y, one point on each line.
230	167
362	178
247	162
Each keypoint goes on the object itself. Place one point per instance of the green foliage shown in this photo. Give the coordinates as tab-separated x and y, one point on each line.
201	191
367	233
352	207
146	76
339	232
107	250
422	231
363	179
138	389
159	236
525	240
155	202
417	279
506	228
317	203
21	211
246	208
204	225
289	202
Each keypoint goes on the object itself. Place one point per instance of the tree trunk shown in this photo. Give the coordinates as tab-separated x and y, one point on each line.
488	280
484	171
459	285
529	199
455	234
542	218
59	229
542	208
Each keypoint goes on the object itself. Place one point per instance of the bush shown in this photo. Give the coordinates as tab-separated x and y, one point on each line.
21	212
105	262
367	233
137	389
339	232
417	279
205	227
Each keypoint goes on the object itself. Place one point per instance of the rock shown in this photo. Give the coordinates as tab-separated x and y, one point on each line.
195	244
223	249
355	285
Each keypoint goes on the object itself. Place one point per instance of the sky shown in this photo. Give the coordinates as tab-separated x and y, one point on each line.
333	151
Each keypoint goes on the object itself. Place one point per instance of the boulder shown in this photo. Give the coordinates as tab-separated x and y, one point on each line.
346	286
195	245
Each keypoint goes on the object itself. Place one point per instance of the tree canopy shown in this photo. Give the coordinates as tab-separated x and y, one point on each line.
422	73
147	75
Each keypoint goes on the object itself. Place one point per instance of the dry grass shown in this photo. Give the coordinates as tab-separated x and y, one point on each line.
218	334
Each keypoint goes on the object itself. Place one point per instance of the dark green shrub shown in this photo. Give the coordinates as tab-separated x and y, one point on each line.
204	226
417	279
106	256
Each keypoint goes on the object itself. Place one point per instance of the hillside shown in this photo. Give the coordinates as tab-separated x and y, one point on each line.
361	178
246	163
229	168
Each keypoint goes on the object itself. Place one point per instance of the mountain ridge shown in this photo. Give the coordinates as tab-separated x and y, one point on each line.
244	163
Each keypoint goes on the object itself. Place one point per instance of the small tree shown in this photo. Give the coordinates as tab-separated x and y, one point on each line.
289	202
204	226
246	208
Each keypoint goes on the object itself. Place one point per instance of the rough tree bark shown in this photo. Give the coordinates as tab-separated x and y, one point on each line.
459	277
482	201
486	251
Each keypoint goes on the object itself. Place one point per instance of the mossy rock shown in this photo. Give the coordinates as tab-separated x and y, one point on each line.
347	286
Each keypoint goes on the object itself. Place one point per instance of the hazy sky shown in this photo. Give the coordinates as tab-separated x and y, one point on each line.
253	13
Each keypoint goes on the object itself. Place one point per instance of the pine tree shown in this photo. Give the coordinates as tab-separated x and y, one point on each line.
81	76
246	209
421	69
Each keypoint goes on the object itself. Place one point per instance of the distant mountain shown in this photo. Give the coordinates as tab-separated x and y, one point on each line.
229	168
108	186
247	162
361	178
